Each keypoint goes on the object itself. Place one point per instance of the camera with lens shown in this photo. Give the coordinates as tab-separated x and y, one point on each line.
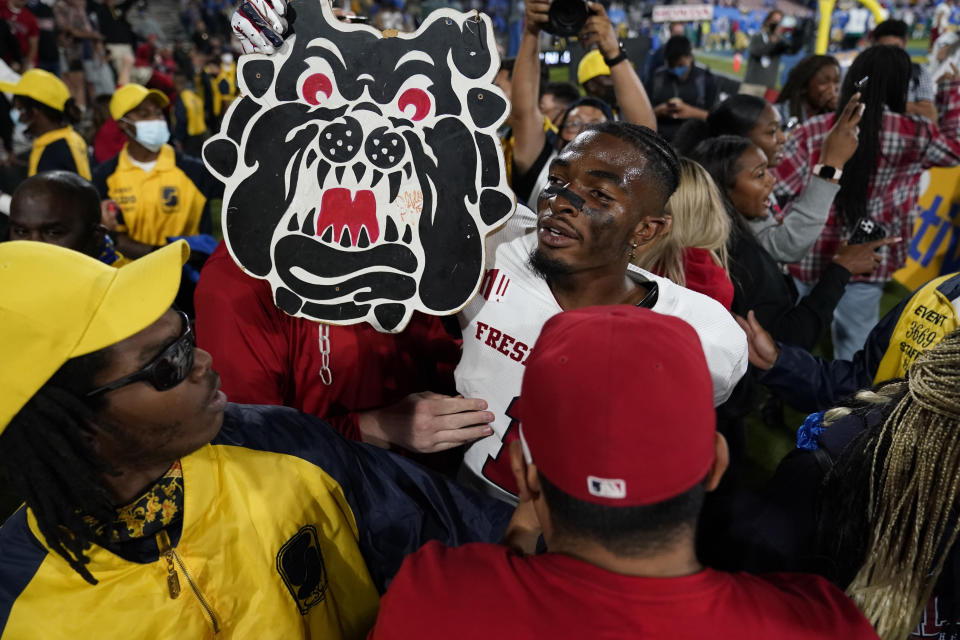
566	17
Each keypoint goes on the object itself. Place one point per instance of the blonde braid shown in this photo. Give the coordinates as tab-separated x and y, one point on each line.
911	499
882	395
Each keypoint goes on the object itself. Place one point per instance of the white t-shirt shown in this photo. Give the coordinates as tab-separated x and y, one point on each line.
857	21
502	323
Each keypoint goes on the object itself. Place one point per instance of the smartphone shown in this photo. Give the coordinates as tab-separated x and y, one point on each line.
867	230
861	84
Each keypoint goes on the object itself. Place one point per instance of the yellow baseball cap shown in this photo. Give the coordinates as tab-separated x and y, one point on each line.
129	96
591	66
58	304
40	85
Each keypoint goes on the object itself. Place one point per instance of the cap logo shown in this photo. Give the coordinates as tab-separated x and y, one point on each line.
607	487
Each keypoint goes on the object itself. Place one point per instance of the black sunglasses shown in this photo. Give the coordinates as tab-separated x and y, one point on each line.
167	370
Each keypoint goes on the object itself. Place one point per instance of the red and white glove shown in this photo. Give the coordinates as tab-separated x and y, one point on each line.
259	25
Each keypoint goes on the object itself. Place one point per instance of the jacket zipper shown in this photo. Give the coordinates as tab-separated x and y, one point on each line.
173	581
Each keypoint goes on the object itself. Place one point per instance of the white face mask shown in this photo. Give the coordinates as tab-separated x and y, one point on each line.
152	134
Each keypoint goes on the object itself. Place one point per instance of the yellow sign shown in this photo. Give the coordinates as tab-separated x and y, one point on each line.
935	246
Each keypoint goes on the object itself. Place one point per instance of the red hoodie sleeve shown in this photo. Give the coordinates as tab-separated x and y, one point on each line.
706	276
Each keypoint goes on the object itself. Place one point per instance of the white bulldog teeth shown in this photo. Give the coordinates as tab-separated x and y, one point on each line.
359	180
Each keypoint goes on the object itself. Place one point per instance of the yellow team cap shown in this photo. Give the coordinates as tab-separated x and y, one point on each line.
129	96
591	66
58	304
40	85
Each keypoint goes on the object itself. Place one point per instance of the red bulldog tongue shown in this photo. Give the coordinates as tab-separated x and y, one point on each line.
339	210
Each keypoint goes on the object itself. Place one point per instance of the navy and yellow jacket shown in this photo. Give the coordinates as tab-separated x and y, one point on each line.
61	149
287	531
188	118
171	200
920	321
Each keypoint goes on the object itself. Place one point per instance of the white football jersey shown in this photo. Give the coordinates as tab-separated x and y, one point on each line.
501	325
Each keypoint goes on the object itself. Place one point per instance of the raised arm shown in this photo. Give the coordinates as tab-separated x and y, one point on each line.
528	132
805	216
943	146
631	96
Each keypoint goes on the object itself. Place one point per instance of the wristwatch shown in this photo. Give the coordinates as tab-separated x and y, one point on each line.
827	172
617	59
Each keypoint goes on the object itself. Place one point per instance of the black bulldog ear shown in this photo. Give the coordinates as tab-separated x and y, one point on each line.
310	16
258	75
473	57
221	156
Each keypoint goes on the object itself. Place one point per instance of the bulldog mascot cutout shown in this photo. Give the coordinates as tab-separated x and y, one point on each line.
364	172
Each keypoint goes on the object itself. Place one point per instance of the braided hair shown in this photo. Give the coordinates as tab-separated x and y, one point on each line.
794	91
889	69
50	463
662	160
897	486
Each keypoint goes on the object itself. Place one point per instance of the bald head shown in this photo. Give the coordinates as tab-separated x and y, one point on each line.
57	207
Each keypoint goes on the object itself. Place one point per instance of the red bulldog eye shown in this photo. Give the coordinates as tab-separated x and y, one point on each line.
314	85
420	100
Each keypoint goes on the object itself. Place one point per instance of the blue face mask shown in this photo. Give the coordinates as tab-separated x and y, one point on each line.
152	134
679	72
15	116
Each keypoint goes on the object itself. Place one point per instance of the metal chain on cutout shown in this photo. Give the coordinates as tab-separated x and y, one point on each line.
326	376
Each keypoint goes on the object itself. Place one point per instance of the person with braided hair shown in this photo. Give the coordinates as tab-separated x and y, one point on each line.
605	199
155	509
869	501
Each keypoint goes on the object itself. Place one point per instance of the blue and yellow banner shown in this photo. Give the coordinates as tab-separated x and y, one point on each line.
935	246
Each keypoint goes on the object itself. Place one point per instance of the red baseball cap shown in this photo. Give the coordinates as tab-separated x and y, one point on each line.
616	406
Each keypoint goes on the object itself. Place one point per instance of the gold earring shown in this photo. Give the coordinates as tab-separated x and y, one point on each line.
633	250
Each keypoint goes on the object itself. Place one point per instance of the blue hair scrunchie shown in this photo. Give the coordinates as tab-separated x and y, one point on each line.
808	435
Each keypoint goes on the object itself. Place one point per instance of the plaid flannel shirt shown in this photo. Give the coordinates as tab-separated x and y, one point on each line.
910	144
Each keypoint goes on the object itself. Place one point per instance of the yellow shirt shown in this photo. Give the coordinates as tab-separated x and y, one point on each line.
170	200
193	113
62	149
